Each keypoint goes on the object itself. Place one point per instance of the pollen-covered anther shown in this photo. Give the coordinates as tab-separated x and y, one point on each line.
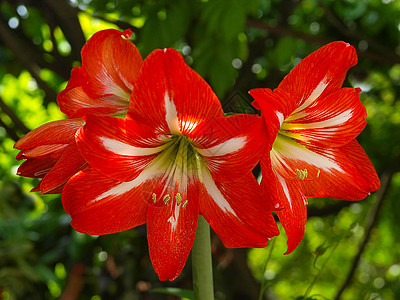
166	199
154	197
184	203
301	174
178	198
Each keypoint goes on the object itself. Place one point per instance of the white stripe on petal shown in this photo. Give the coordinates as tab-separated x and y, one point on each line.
336	120
150	172
215	193
285	189
331	122
314	95
119	189
227	147
121	148
188	126
171	115
280	116
289	148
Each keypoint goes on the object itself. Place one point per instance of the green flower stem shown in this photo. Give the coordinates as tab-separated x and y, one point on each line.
263	286
320	270
203	286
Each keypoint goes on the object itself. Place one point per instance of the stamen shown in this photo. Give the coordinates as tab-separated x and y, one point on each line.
301	174
154	197
184	203
178	198
166	199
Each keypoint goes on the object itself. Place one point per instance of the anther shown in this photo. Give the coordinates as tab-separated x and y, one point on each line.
154	197
166	199
184	203
301	174
178	198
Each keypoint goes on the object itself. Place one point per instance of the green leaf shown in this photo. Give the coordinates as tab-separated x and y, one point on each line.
165	25
284	51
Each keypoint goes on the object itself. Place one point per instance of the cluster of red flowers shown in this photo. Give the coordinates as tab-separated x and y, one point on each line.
148	142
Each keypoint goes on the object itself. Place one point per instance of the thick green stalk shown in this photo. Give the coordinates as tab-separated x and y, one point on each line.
201	262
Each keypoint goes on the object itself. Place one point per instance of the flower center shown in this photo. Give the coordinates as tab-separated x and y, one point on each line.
286	156
178	162
180	155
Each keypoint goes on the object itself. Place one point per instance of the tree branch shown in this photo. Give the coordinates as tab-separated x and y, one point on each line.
24	57
354	34
17	40
371	221
283	31
16	120
10	132
69	24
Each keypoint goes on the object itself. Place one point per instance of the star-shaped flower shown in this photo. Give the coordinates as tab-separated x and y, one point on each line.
313	123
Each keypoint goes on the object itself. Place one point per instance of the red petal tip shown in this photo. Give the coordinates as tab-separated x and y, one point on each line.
255	104
36	189
127	33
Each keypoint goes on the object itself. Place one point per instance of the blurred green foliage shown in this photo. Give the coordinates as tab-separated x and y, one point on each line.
235	46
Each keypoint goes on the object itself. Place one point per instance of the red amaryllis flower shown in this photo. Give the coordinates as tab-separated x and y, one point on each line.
313	123
110	64
173	157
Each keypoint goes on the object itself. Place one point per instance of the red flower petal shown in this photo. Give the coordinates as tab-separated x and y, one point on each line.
117	147
67	165
112	64
101	205
171	228
57	190
353	180
293	216
330	121
170	96
53	151
320	73
289	202
236	211
36	167
275	104
56	132
344	172
75	103
275	107
230	146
